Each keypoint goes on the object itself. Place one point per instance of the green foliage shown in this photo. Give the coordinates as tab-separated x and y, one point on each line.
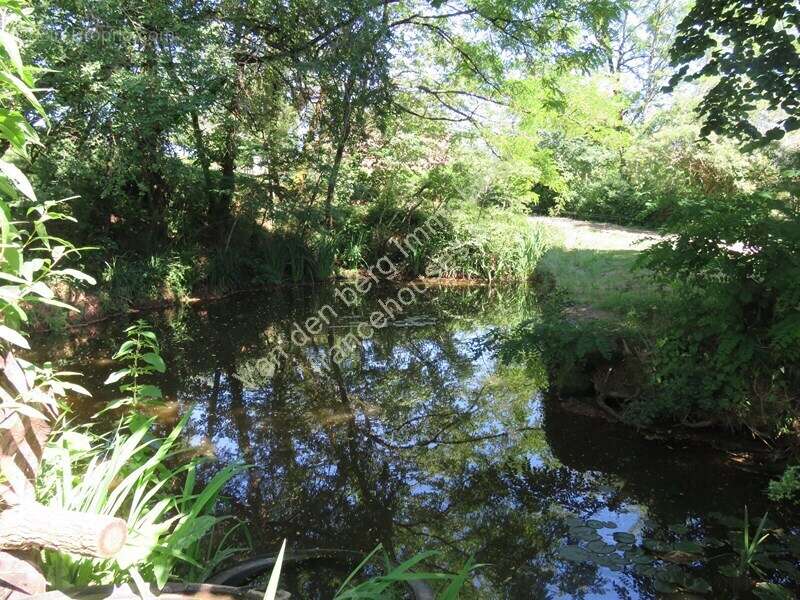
751	49
142	355
168	135
570	349
171	530
491	245
393	584
787	488
33	261
131	281
751	547
397	577
729	351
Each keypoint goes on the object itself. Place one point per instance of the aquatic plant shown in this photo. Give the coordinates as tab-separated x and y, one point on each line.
396	579
672	561
749	551
400	576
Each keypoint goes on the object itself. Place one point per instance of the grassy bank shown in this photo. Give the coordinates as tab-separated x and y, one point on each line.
594	265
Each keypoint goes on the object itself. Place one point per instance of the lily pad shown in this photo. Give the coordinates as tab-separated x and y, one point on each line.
655	546
645	570
641	559
789	569
679	528
573	522
600	547
665	587
610	561
712	542
697	585
624	537
574	554
595	524
671	574
584	534
688	547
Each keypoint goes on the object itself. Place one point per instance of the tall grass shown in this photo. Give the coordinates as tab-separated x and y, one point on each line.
492	245
125	475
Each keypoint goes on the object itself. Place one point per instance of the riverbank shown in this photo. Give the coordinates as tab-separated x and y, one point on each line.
89	309
602	327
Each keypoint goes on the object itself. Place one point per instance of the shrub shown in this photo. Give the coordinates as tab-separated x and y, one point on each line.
730	353
787	488
491	245
571	350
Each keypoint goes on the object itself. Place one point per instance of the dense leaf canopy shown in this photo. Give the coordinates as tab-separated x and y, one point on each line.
752	49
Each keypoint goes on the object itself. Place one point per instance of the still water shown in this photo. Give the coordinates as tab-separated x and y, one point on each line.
418	440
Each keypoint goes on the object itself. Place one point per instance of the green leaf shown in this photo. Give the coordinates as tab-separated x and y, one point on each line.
14	337
58	303
78	389
79	275
15	129
274	578
623	537
40	289
23	89
155	361
11	47
116	376
18	179
150	391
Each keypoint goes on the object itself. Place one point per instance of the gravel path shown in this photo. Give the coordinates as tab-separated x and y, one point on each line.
586	235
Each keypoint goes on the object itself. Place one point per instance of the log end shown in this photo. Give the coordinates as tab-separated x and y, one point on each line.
112	538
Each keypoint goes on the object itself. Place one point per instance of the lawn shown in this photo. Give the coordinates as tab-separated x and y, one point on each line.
594	264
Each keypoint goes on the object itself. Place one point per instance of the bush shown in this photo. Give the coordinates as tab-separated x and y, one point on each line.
787	488
730	353
491	245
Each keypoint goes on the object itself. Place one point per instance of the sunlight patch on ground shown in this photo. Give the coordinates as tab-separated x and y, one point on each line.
586	235
594	263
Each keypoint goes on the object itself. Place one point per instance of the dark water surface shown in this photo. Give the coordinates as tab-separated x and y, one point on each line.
418	440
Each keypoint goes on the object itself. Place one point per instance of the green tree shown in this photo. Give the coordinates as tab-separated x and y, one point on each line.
752	50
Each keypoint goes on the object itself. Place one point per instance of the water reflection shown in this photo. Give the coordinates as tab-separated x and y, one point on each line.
418	440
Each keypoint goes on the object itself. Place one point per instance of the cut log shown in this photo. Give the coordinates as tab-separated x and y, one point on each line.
32	525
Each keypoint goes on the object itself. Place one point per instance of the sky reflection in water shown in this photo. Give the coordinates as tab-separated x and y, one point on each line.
420	440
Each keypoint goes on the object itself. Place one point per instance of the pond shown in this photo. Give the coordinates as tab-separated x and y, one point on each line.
417	440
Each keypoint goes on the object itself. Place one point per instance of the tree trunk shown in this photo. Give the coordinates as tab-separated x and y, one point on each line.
341	144
202	154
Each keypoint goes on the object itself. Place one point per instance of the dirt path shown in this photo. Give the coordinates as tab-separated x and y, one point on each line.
585	235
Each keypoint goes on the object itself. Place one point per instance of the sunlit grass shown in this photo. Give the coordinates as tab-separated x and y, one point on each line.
598	274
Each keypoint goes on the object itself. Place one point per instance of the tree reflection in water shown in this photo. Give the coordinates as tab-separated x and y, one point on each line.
419	440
